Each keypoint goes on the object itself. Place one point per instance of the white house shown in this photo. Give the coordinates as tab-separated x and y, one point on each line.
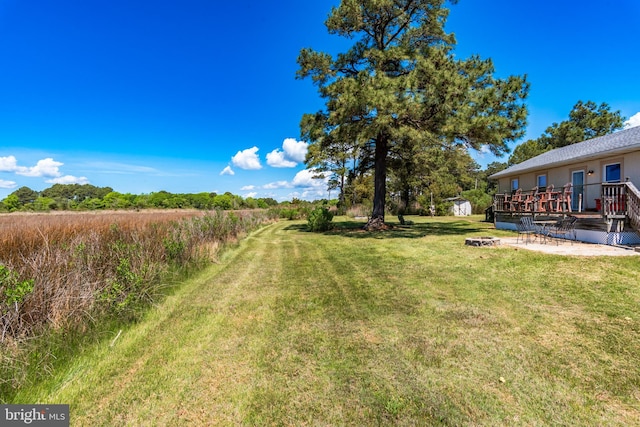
594	180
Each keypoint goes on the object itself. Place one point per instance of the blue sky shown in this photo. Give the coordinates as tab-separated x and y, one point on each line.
197	95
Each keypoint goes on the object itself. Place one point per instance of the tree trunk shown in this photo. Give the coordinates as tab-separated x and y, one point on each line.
405	203
341	202
380	184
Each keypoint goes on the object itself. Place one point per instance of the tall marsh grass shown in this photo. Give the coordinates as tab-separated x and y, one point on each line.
61	272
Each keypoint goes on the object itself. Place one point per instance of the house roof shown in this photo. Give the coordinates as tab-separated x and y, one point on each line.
615	143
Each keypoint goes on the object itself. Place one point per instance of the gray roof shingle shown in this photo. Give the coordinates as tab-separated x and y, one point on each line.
611	144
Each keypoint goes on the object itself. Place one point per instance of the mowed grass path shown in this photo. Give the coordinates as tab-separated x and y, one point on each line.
404	327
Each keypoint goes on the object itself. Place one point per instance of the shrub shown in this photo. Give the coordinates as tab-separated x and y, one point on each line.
319	219
289	214
174	248
13	293
15	290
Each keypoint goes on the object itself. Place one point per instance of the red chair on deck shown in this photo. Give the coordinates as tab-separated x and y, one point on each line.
563	203
545	203
515	202
530	201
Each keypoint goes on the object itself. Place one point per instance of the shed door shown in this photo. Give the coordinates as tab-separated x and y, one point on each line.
577	179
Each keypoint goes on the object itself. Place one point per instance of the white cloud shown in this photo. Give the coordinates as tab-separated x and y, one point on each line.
314	194
248	188
247	159
8	164
227	171
293	152
277	159
45	167
252	194
310	187
276	185
311	194
305	178
633	121
69	179
7	184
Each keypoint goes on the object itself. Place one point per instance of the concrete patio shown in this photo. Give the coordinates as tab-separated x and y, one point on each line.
566	248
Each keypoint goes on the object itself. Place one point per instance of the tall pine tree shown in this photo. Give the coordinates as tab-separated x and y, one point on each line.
400	84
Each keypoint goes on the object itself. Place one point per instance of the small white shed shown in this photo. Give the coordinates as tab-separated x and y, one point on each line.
461	207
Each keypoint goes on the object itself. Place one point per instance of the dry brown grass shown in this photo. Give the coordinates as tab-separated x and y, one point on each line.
84	264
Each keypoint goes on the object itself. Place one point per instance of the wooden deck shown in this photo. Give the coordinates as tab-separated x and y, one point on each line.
616	220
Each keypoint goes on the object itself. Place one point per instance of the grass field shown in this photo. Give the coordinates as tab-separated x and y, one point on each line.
404	327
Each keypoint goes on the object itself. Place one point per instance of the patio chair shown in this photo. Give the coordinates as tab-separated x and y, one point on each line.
563	203
565	228
547	198
531	200
526	228
515	202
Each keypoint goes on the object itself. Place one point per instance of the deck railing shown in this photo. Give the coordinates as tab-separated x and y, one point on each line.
499	203
544	200
633	205
614	200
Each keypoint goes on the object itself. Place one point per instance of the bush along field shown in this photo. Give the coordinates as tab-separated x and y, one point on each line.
63	276
319	219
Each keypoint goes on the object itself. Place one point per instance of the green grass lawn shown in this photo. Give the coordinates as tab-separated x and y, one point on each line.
403	327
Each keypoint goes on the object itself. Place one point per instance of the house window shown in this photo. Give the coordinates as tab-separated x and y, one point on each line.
542	182
612	172
514	184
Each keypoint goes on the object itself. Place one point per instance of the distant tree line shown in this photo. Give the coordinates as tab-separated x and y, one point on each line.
416	179
90	197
